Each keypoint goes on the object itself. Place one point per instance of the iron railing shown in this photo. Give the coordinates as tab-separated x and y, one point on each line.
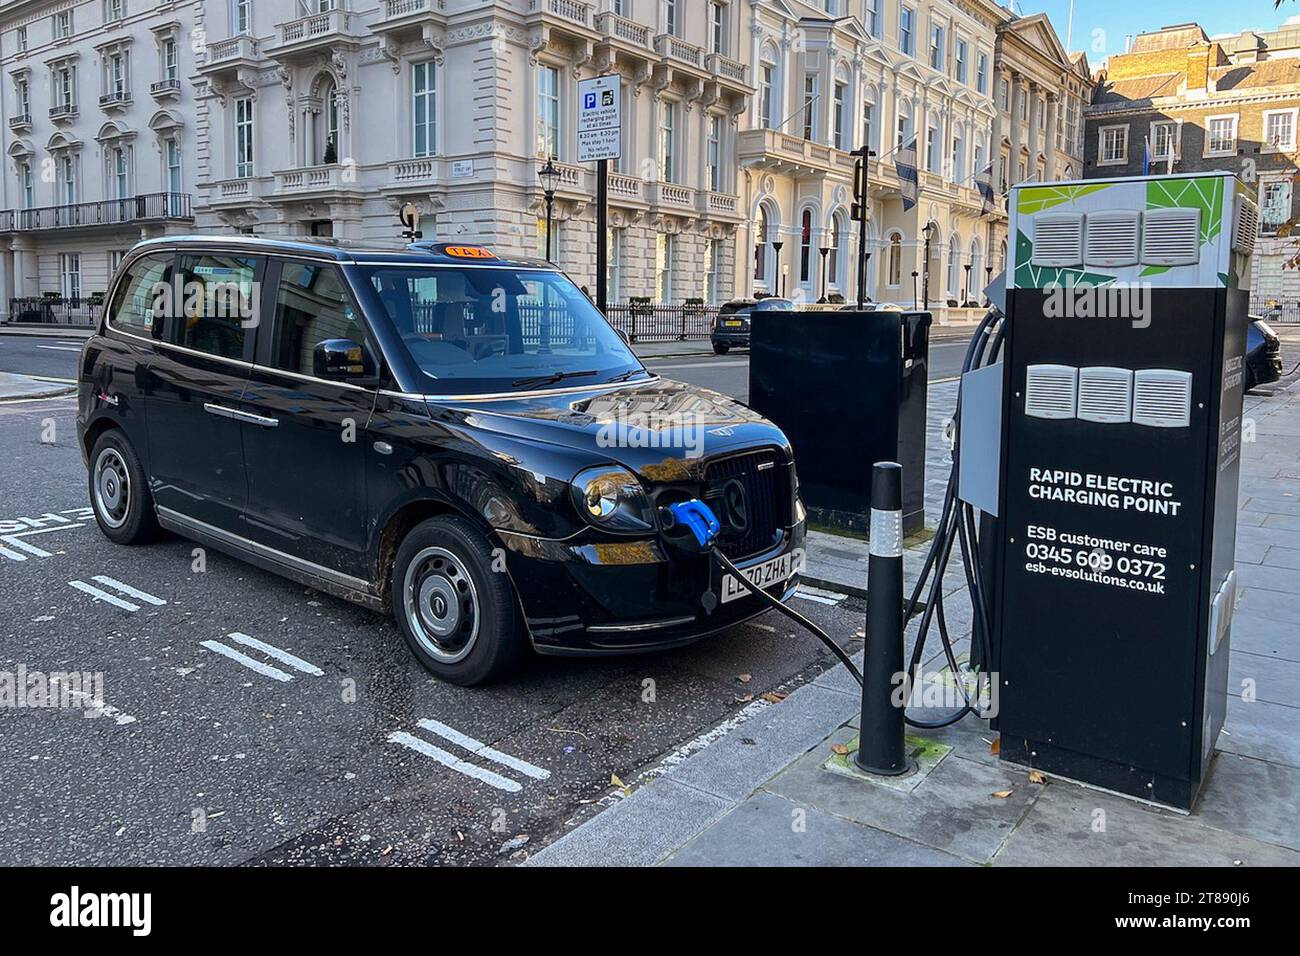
662	323
56	310
1276	310
105	212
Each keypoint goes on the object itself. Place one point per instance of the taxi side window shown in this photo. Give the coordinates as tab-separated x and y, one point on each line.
312	304
139	295
216	308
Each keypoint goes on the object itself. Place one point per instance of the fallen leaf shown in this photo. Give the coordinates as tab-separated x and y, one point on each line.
995	748
615	782
1001	794
744	678
775	696
839	749
1036	777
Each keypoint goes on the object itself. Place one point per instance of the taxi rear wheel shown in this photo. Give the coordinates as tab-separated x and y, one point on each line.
458	615
119	491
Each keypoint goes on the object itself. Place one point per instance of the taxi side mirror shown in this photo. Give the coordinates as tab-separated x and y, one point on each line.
340	360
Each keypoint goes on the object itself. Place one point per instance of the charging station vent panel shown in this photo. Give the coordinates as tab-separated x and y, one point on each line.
1105	394
1162	398
1058	240
1112	238
1171	237
1051	391
1245	225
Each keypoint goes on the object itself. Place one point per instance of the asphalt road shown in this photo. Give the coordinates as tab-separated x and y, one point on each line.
251	720
51	357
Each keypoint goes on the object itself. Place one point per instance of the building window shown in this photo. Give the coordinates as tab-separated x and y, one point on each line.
936	46
21	38
424	103
548	111
1279	130
1274	204
810	106
907	30
672	18
170	68
838	106
241	17
760	246
24	93
665	254
959	66
1004	96
115	78
958	158
65	83
871	15
68	179
767	103
1113	146
28	184
119	173
805	246
932	155
555	239
894	274
70	271
1222	135
1072	126
982	73
1164	141
63	24
718	27
713	271
904	126
174	180
113	10
833	259
614	265
668	142
868	120
243	138
715	153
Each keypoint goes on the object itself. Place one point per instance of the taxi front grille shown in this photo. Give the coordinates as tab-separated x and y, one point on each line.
764	477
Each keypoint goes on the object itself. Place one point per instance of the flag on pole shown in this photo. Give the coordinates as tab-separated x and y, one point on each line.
984	183
905	164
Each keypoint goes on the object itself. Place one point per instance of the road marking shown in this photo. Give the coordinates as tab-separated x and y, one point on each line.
129	591
809	593
270	650
58	348
480	749
17	542
11	555
266	670
99	595
453	762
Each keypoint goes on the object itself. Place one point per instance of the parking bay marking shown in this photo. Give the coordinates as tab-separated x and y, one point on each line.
260	667
101	595
477	748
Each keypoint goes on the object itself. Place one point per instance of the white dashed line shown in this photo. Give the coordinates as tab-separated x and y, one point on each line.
453	762
129	591
480	749
99	595
270	650
266	670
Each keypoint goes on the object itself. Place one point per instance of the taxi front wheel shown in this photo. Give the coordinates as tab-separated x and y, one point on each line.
721	349
458	615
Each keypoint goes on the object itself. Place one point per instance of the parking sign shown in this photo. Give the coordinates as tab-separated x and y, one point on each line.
600	119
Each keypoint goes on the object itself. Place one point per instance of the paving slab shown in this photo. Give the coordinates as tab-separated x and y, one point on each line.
1252	797
1262	730
769	830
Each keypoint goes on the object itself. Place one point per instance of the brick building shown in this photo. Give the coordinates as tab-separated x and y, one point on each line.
1190	103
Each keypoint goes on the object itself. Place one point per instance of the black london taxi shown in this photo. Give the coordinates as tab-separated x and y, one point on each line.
729	328
454	438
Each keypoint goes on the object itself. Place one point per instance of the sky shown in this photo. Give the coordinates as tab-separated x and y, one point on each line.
1100	26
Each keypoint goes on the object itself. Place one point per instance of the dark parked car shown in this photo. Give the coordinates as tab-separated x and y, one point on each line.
730	327
458	439
1263	354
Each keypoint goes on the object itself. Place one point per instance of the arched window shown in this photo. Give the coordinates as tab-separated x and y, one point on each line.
805	246
834	258
870	118
976	271
954	267
894	275
1002	255
761	235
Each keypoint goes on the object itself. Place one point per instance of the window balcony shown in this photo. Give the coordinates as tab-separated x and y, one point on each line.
116	101
402	16
623	31
626	189
63	112
231	53
558	23
718	205
731	73
325	182
781	152
318	33
20	123
675	48
165	90
569	11
671	197
150	207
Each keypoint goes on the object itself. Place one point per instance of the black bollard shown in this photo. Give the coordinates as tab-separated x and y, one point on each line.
880	740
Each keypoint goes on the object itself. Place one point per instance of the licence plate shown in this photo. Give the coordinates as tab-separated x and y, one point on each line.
770	572
735	324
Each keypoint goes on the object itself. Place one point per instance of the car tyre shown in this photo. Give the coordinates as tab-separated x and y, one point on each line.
720	349
119	491
458	615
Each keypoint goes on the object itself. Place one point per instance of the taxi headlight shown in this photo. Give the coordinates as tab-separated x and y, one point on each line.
610	497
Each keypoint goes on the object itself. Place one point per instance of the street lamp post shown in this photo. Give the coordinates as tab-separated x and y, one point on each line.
862	157
780	285
965	292
866	270
825	251
928	232
988	272
914	275
549	175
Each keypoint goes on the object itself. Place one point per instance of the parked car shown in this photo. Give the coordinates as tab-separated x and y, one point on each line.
457	439
874	307
730	327
1263	354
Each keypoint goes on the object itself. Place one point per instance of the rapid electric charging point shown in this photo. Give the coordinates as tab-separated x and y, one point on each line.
1126	315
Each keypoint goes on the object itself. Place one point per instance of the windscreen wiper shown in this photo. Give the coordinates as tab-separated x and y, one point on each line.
624	376
538	380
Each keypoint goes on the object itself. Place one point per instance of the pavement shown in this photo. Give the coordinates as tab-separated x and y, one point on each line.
14	386
782	790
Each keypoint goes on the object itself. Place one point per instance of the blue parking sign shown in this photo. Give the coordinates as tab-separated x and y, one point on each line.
589	101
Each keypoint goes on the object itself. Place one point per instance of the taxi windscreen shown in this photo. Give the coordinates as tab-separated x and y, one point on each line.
478	329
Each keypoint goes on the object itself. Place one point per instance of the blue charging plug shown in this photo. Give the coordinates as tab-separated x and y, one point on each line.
699	518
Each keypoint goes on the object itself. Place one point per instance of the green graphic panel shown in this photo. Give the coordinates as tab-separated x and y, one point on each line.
1205	194
1037	198
1029	276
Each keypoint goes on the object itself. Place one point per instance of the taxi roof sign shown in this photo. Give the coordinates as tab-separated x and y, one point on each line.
465	252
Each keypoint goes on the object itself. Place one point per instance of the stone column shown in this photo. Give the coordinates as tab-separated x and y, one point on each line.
1016	128
1033	130
1049	167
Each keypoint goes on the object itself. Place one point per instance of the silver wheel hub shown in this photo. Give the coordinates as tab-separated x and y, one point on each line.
112	484
441	604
